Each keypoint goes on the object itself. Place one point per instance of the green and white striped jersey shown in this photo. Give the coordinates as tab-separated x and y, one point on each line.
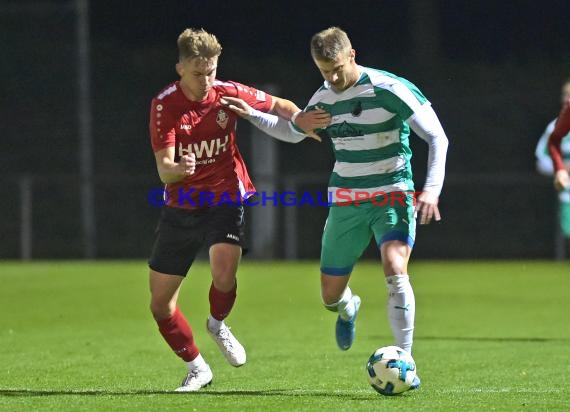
369	133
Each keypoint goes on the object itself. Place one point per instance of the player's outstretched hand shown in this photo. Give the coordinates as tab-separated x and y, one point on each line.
561	180
312	119
237	105
426	208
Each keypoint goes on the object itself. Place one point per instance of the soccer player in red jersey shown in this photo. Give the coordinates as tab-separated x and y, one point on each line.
193	137
560	149
561	129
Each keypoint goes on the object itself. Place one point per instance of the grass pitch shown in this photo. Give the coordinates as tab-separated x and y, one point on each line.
489	336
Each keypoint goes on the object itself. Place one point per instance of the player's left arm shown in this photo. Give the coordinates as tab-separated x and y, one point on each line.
284	108
273	125
425	123
258	106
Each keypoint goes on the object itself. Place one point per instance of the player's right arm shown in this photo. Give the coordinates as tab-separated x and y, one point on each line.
562	128
163	140
171	171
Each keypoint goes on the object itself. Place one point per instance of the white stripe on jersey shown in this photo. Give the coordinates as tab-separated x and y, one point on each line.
368	141
383	81
327	97
241	188
390	165
166	92
222	83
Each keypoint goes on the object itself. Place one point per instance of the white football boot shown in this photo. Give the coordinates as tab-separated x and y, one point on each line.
229	345
196	380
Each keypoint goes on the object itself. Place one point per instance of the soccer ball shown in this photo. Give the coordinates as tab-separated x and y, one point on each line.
391	370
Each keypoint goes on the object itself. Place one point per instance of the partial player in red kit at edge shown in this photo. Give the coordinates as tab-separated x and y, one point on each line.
194	141
561	129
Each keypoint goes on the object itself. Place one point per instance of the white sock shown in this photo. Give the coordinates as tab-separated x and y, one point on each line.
345	305
401	310
214	324
197	363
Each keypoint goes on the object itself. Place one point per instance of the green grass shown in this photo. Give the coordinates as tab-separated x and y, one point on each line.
489	336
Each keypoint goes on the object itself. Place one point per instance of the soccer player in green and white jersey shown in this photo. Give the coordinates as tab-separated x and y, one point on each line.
367	114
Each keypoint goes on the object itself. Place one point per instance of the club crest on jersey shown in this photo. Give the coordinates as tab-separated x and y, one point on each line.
222	119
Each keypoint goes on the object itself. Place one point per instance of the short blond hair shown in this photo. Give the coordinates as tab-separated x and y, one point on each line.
198	43
328	43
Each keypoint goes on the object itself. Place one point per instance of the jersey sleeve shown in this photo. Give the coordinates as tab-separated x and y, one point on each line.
561	129
257	99
407	99
543	159
162	126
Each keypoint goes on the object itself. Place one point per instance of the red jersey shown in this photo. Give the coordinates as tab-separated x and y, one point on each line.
561	129
207	129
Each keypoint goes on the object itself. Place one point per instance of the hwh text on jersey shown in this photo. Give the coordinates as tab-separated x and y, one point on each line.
208	148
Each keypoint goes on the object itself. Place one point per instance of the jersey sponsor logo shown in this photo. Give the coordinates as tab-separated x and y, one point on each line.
233	237
344	129
205	148
185	127
357	109
222	119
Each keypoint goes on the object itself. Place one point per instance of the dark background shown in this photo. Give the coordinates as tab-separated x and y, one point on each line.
491	69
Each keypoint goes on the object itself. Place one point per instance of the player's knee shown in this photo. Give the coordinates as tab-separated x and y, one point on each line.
395	265
395	257
224	276
161	310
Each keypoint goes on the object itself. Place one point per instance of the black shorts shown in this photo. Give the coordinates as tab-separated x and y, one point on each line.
182	233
